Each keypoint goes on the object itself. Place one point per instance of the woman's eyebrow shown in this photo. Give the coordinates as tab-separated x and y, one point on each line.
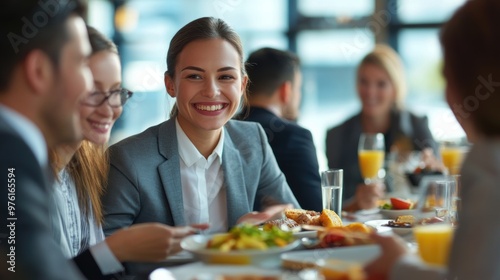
193	68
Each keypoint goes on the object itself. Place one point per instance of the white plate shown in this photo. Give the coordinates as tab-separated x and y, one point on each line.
306	233
393	214
181	257
201	271
379	225
303	259
196	244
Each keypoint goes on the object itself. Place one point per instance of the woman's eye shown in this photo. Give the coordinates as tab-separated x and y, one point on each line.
382	84
226	77
194	77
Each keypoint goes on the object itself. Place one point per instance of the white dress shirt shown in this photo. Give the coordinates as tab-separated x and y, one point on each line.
203	190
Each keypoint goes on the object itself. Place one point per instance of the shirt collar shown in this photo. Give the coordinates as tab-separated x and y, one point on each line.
28	131
190	154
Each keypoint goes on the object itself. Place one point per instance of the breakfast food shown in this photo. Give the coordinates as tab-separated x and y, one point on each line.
397	203
359	227
284	224
250	237
344	236
303	217
405	221
339	269
329	218
401	204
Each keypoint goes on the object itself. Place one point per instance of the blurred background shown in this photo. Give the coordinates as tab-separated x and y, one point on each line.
330	37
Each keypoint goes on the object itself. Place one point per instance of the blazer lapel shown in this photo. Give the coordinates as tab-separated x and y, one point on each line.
170	170
237	199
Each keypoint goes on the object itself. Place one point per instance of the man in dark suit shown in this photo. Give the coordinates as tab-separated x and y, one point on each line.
274	98
43	75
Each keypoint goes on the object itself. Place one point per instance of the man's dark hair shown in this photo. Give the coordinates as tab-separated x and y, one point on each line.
26	25
268	68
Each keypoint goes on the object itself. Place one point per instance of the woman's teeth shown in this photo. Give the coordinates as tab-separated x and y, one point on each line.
209	107
101	125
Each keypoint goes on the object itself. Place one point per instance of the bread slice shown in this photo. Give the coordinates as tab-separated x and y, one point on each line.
410	219
294	213
302	217
329	218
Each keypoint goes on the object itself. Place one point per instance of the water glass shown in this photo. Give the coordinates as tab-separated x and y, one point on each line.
331	189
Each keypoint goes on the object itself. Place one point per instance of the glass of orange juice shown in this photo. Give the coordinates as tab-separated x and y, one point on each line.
434	234
371	151
434	242
452	154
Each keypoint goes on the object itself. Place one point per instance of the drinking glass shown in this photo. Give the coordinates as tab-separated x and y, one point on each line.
371	151
331	189
434	232
452	154
456	199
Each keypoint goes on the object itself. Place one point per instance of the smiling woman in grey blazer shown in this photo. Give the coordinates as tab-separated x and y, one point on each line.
199	166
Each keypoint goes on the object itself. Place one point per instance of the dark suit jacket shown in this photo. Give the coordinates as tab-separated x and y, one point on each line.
342	143
37	256
295	153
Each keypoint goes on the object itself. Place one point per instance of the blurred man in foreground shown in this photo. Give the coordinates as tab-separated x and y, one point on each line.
43	74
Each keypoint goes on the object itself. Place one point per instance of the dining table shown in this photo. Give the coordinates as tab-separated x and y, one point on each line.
297	263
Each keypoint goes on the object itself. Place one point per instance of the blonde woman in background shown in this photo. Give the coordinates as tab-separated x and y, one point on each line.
381	88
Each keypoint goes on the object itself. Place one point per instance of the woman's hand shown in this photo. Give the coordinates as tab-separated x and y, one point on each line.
368	196
270	213
393	248
149	242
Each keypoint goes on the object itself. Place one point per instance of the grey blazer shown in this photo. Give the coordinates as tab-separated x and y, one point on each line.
145	182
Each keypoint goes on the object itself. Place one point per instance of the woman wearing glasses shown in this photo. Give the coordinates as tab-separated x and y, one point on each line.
82	171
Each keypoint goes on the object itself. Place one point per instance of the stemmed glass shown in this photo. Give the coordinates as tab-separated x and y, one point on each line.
371	151
452	154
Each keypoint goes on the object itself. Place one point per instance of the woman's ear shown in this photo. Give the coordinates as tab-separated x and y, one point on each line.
169	84
244	82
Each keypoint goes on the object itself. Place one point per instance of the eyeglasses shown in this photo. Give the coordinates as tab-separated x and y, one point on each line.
116	98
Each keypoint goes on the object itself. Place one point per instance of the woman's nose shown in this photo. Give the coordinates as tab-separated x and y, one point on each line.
211	88
105	109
